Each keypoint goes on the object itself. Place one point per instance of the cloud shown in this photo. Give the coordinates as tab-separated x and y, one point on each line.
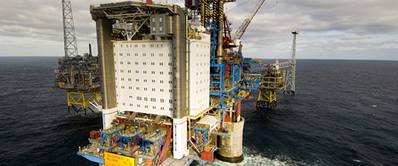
329	29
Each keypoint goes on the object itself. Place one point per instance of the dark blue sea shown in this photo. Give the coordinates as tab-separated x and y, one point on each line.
344	113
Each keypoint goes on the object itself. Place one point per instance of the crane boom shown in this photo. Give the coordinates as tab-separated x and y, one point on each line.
70	43
242	28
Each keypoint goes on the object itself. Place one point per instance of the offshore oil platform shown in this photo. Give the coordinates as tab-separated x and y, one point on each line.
168	81
78	75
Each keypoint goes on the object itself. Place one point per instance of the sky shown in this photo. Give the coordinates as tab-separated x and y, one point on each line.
329	29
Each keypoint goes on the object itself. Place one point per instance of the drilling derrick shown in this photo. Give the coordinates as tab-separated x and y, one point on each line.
70	43
78	75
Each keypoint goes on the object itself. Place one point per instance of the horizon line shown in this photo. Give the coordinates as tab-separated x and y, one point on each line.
352	59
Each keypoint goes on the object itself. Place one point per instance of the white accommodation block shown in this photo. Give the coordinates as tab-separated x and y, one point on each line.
144	76
199	74
143	71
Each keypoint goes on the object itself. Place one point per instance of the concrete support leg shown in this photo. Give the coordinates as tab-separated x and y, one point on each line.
105	52
180	134
108	115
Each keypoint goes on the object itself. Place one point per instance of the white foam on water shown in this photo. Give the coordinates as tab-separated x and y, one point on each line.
255	159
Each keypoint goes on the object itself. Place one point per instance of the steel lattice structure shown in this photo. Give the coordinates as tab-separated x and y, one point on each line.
290	81
70	43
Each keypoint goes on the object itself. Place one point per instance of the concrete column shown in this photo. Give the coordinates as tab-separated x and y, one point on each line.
108	115
180	88
105	52
180	137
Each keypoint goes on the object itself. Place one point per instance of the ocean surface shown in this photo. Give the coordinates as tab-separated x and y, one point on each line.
344	113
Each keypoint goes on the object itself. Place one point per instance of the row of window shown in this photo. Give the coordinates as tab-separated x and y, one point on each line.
145	63
202	45
154	19
139	98
145	89
202	64
146	106
201	73
202	81
202	55
143	54
146	72
141	45
146	81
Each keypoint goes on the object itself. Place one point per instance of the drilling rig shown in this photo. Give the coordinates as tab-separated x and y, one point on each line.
78	75
275	78
171	84
172	81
